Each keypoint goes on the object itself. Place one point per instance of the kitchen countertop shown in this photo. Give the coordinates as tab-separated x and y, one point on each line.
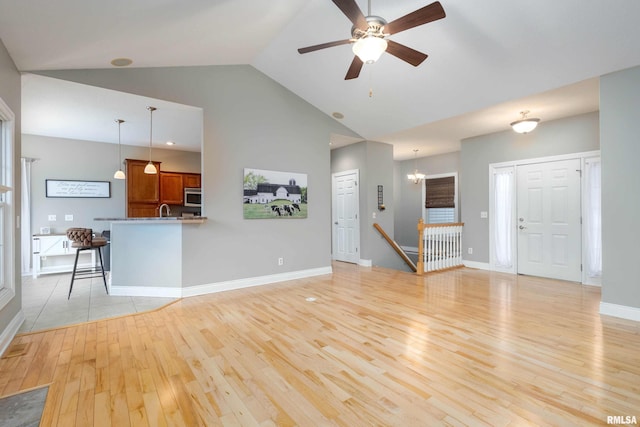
159	220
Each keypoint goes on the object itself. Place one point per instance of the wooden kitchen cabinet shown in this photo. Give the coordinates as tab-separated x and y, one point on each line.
171	188
192	180
172	185
143	190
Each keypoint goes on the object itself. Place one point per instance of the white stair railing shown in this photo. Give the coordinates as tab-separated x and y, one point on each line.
440	246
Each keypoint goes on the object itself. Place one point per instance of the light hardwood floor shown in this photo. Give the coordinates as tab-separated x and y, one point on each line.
376	347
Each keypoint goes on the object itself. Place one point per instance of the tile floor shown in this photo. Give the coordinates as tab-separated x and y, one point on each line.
45	304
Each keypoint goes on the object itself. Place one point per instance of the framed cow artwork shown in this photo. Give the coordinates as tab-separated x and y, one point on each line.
274	194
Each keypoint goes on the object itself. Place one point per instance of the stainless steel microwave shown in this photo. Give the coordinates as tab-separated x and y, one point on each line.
192	197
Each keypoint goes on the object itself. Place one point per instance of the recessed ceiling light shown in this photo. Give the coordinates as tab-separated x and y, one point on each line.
338	115
121	62
170	143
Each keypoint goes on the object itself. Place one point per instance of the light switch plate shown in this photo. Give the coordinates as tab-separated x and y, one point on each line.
68	217
52	217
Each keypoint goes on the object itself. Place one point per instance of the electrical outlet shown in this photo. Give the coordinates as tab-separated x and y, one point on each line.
280	261
52	217
470	251
484	214
373	215
68	217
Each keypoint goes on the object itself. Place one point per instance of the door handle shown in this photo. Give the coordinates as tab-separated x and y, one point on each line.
522	227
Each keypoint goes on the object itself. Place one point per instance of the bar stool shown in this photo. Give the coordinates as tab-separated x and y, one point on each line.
82	239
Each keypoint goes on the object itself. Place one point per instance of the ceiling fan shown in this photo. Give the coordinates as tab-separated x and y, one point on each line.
369	35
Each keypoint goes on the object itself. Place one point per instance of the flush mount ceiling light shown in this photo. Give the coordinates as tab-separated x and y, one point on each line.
119	173
416	176
525	124
121	62
150	168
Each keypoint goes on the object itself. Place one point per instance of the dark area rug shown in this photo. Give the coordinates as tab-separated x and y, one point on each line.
24	409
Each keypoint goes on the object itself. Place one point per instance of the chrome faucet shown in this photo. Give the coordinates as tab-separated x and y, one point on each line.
168	210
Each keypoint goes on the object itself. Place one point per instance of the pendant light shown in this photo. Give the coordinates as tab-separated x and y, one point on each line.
525	124
150	168
416	176
119	173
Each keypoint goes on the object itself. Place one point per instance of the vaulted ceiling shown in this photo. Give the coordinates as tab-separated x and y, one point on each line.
487	60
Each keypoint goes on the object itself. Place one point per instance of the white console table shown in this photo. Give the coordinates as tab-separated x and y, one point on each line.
56	245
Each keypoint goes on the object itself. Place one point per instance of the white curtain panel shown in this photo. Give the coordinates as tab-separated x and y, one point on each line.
503	217
25	215
593	219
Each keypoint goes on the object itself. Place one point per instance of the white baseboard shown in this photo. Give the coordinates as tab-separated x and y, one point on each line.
10	331
476	264
145	291
365	262
253	281
622	311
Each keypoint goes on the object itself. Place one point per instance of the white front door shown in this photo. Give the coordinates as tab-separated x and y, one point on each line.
548	212
346	225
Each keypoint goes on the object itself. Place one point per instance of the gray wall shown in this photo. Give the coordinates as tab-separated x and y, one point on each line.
564	136
60	158
374	160
10	88
249	121
620	151
409	195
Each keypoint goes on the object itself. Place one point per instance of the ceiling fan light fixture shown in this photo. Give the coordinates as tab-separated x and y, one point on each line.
369	48
525	124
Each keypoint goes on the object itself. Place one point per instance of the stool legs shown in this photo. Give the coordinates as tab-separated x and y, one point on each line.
104	279
87	273
73	275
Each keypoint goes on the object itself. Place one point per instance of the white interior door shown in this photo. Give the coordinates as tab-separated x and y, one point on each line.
346	225
548	212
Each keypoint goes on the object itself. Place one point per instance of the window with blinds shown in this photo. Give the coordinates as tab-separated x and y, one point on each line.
440	215
440	194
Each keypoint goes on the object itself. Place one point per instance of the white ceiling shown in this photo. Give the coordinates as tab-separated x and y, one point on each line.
63	109
487	60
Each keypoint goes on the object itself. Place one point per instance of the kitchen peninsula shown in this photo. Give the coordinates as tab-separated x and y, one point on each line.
146	255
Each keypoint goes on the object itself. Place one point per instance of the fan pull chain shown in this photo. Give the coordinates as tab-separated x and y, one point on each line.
370	82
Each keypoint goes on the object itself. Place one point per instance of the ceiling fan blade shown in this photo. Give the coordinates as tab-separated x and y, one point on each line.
323	46
352	11
405	53
427	14
354	68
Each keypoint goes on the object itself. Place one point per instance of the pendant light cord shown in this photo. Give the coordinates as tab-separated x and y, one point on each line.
150	130
119	147
151	110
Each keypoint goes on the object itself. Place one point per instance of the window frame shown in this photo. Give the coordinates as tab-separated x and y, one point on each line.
7	201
